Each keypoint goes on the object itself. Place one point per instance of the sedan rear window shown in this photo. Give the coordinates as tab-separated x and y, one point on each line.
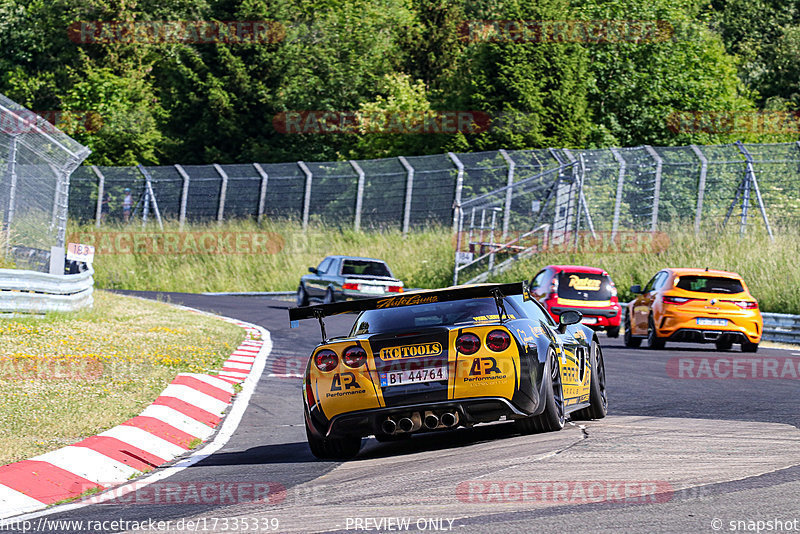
584	286
710	284
365	268
425	315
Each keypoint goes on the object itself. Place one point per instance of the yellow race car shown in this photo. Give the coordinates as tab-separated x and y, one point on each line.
433	360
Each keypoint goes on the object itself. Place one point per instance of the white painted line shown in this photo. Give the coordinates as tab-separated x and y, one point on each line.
238	365
242	359
192	396
285	375
211	380
180	421
13	502
142	439
233	374
89	464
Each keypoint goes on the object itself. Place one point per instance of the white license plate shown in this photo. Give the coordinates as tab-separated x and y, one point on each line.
589	320
416	376
705	321
373	290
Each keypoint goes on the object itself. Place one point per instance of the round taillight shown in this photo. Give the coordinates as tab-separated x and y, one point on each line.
326	360
354	356
498	340
468	344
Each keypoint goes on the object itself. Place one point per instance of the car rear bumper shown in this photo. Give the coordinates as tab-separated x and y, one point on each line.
368	422
681	328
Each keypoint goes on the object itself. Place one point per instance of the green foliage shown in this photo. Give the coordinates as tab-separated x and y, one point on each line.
167	102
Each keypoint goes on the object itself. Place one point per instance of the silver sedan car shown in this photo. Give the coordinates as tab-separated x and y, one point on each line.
339	278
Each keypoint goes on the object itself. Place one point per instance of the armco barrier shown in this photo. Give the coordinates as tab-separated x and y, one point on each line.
33	292
781	327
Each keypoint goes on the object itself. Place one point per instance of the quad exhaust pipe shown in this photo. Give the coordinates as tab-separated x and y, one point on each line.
431	420
389	426
449	419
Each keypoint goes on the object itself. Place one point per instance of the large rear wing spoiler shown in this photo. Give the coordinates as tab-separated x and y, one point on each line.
407	299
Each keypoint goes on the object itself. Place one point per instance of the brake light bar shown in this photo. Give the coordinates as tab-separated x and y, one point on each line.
744	304
395	289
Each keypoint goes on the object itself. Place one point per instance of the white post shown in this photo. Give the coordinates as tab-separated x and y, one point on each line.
184	194
101	181
409	189
509	193
656	185
262	194
222	193
620	183
359	195
459	187
307	194
701	187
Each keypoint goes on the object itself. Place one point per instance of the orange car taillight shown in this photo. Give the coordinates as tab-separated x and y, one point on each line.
326	360
395	289
676	300
498	340
744	304
354	287
354	356
468	344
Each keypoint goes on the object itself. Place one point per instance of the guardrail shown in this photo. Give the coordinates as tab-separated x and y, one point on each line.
24	291
781	327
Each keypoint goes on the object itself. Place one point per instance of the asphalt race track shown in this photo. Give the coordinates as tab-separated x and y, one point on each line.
674	455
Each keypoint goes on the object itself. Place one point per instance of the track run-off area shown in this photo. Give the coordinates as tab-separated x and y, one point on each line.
695	441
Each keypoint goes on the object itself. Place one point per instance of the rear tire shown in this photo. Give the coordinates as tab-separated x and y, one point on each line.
302	296
723	344
552	418
612	331
630	341
749	347
653	341
333	448
598	402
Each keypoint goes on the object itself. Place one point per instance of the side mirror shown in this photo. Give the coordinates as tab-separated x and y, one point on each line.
637	289
313	270
567	318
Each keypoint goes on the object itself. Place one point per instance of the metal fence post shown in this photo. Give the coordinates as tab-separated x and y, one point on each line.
752	180
409	189
581	178
701	187
262	193
12	191
620	183
359	195
101	183
656	185
307	194
459	188
222	193
148	183
509	193
184	194
748	173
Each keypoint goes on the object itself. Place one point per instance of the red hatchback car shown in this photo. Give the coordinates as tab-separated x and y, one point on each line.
587	289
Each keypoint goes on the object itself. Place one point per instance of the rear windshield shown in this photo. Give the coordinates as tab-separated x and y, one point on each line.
365	268
710	284
584	286
425	315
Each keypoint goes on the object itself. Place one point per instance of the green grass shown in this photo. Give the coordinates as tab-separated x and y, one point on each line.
425	259
64	377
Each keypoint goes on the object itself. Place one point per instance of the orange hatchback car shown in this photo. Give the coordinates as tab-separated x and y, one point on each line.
694	305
